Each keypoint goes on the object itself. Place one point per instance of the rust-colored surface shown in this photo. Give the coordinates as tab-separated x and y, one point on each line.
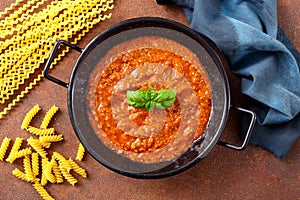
224	174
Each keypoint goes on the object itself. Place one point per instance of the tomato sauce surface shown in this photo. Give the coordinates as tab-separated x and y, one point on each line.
171	118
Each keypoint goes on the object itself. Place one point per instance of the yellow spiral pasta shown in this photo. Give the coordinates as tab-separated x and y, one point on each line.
51	138
49	116
79	170
44	179
80	152
19	154
19	174
70	179
42	191
27	168
29	116
36	145
22	175
15	148
47	170
56	171
40	132
62	161
4	146
35	163
17	144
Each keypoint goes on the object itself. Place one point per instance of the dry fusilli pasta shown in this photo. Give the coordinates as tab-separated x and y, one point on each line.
68	176
35	143
42	191
62	161
27	120
22	175
49	116
47	170
4	146
19	154
80	152
15	148
56	171
39	132
27	168
35	163
51	138
44	179
79	170
19	174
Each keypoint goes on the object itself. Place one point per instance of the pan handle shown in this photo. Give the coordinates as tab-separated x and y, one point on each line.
51	58
249	131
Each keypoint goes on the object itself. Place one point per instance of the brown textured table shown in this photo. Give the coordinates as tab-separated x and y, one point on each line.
224	174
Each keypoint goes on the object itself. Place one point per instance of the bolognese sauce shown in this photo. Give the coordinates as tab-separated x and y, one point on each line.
158	137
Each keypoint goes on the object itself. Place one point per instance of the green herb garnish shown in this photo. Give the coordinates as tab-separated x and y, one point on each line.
148	99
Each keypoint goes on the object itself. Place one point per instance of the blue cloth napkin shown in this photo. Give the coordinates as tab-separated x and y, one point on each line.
247	33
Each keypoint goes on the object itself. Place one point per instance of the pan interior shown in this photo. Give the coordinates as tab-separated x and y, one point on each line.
139	33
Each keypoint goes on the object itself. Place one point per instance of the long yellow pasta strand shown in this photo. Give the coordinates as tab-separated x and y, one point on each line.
84	29
10	8
4	146
42	191
27	120
44	179
49	115
80	152
35	143
79	170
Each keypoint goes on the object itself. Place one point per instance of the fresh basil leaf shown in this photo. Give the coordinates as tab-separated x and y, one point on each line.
137	98
151	94
149	106
165	98
165	95
148	99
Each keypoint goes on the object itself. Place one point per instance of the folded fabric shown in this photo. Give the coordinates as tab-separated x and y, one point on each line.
257	50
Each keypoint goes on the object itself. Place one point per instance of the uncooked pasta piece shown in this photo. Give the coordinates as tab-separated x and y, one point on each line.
80	152
49	116
27	168
68	176
22	175
42	191
19	154
44	179
62	161
47	170
19	174
51	138
29	116
4	146
35	143
56	171
79	170
16	146
35	163
40	132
